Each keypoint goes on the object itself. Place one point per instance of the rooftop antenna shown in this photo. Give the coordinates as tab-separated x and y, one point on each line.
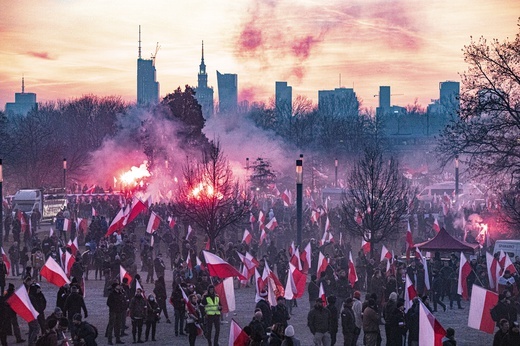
139	42
202	51
23	84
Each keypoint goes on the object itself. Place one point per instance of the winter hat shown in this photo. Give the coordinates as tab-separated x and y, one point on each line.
263	293
357	294
289	330
77	317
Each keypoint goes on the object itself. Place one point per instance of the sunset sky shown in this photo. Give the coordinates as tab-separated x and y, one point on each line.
69	48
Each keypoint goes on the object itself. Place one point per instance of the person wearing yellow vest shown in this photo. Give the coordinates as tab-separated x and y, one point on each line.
212	307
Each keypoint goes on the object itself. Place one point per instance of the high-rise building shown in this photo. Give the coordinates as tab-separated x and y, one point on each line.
23	102
227	92
384	100
283	98
203	93
147	85
338	102
449	95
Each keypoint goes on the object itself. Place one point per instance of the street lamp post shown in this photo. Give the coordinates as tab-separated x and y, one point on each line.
299	200
456	176
336	172
1	207
65	174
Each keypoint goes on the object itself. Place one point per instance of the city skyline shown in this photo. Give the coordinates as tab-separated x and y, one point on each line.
66	49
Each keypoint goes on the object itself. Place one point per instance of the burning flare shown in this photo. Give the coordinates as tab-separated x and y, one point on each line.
135	175
205	190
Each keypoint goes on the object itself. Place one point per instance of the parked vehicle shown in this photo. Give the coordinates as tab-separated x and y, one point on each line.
47	202
509	246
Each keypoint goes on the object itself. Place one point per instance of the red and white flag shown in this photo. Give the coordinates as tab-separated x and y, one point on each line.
322	264
464	271
385	254
54	273
171	221
189	232
21	304
67	225
315	215
137	208
286	198
94	213
365	245
82	225
493	269
247	237
322	295
263	236
295	258
261	217
220	268
226	293
252	218
237	336
73	245
426	273
190	309
327	224
272	224
430	330
482	301
274	285
409	239
69	261
6	261
508	265
124	274
298	279
435	225
153	223
249	263
118	223
409	293
138	286
305	258
290	286
352	275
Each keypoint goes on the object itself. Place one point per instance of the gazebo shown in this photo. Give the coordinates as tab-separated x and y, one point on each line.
444	242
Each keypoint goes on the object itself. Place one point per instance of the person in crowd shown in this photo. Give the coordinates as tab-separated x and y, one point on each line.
314	291
179	307
161	296
449	339
5	323
334	317
85	332
454	286
318	321
512	338
212	307
137	308
503	325
276	336
3	274
258	332
290	339
396	325
348	323
12	317
357	308
439	289
39	303
38	261
116	303
193	319
263	305
504	310
280	312
159	265
371	320
73	305
152	317
14	258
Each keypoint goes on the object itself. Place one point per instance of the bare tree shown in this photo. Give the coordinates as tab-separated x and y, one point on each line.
210	197
379	194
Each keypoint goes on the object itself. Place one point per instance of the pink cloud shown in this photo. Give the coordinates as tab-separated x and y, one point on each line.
40	55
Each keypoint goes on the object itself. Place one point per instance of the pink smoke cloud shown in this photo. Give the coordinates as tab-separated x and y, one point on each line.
40	55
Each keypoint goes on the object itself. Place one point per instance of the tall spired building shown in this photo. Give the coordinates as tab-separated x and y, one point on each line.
147	85
203	93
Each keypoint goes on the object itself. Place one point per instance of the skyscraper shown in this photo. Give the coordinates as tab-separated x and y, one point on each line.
449	95
203	94
147	85
283	98
384	100
338	102
23	102
227	92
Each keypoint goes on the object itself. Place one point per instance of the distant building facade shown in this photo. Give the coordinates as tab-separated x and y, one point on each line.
203	93
23	102
227	92
384	100
338	102
147	85
283	98
448	104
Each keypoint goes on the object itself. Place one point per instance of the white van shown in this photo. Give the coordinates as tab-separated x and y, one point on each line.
466	191
509	246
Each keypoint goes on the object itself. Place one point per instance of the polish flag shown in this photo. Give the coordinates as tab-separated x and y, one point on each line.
426	273
327	224
508	265
482	301
290	286
272	224
321	295
137	286
226	293
190	309
69	261
247	237
322	264
21	304
94	213
263	236
171	221
292	247
464	271
430	330
261	217
492	269
305	258
299	279
237	336
54	273
275	191
124	274
295	259
409	239
252	218
286	198
260	285
73	244
220	268
188	262
190	231
435	225
365	246
409	293
137	208
51	232
249	263
352	275
385	254
118	223
153	223
275	287
82	225
315	215
67	225
6	261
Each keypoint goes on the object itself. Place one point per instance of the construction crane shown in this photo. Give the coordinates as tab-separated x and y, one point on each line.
154	55
390	95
